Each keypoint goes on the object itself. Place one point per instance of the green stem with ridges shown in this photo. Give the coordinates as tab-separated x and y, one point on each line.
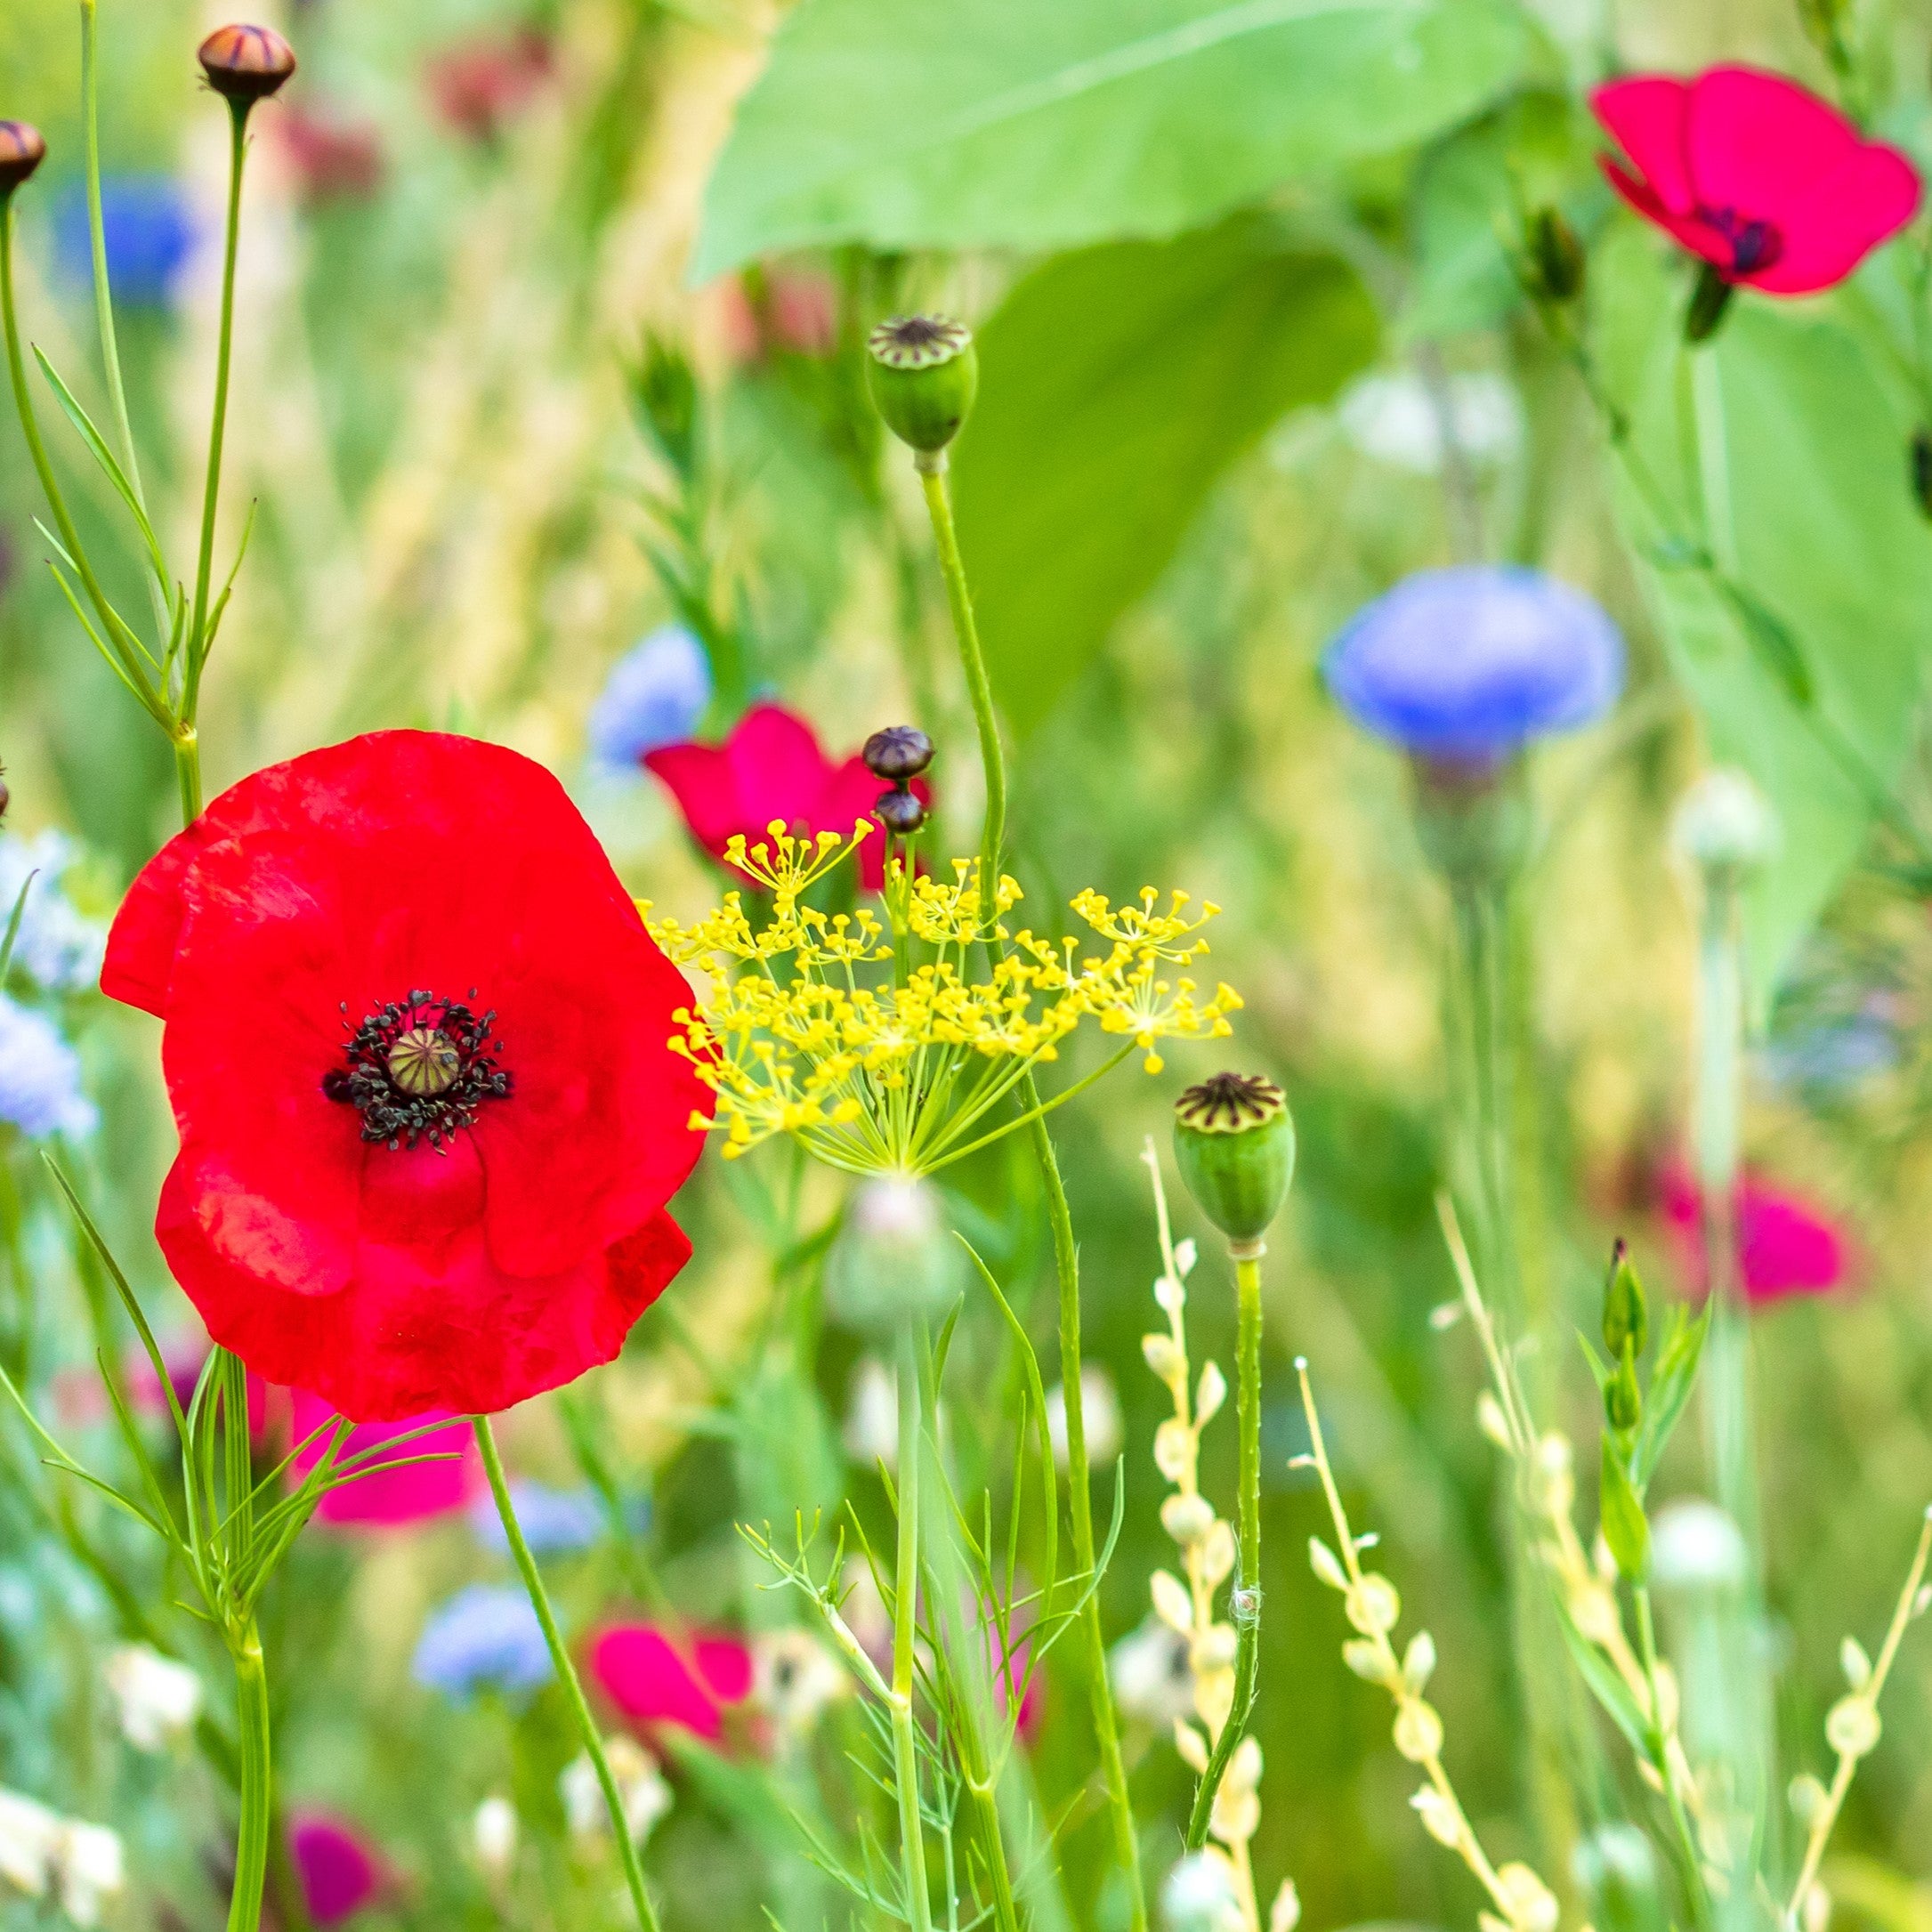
257	1806
560	1657
905	1621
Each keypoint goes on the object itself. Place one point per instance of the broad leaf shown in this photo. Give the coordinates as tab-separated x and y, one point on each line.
1118	385
1831	597
1004	123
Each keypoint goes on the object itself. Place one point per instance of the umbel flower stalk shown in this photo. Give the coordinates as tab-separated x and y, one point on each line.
925	400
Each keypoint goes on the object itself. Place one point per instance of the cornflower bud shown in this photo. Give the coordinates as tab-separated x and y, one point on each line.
247	64
899	753
22	149
1626	1311
1234	1144
924	374
1556	256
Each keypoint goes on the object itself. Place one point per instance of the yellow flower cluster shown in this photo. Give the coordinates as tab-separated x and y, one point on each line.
892	1047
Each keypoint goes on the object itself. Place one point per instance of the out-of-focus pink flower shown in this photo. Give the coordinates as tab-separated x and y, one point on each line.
1027	1721
773	768
1785	1245
333	160
1772	186
478	88
340	1871
656	1682
791	314
390	1497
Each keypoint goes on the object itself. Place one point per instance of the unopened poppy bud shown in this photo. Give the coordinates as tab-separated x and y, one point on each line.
1626	1311
902	810
924	374
1922	471
247	63
1557	255
22	149
898	752
1234	1143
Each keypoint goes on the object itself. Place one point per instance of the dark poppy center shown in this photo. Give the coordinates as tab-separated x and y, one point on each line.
1755	243
419	1068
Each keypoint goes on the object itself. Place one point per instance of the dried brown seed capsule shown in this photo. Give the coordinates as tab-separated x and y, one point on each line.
901	811
247	63
22	149
899	752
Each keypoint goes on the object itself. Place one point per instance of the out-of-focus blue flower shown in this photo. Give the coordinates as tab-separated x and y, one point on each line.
1473	662
56	947
486	1635
554	1520
655	695
147	228
40	1076
1834	1056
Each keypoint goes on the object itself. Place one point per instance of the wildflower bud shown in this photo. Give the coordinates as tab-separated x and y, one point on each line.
924	374
1725	824
1199	1894
1556	256
1234	1143
1921	471
22	149
664	389
1623	1400
247	64
893	1259
1186	1518
1708	301
899	753
901	811
1626	1311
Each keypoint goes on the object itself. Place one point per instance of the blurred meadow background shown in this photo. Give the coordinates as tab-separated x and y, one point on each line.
1230	393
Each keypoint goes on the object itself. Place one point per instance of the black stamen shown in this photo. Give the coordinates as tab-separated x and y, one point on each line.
419	1068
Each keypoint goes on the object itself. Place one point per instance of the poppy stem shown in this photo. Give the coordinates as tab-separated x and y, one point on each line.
257	1794
905	1625
560	1656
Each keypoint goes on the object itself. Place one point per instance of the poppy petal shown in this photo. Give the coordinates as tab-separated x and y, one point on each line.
1758	144
1847	214
1646	115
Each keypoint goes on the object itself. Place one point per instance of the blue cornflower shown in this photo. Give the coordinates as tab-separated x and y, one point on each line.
39	1076
654	695
486	1635
554	1520
148	231
56	947
1473	662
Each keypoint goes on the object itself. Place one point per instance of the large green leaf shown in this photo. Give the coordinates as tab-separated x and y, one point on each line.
1008	123
1117	384
1827	543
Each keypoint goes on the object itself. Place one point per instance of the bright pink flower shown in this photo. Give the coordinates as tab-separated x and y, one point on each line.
795	314
655	1682
1772	186
340	1872
773	768
390	1497
333	160
479	87
1785	1245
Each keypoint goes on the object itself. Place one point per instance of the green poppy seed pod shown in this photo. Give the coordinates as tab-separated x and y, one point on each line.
1626	1311
924	373
247	64
1234	1143
1557	254
22	149
899	753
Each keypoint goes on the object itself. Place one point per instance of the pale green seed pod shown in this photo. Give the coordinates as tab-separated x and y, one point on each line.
1234	1144
924	373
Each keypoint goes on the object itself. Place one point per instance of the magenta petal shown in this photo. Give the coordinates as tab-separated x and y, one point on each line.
1829	231
725	1666
390	1497
1758	144
1785	1249
643	1675
701	778
339	1873
1646	117
779	767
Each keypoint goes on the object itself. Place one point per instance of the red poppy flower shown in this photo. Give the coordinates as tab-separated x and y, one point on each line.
416	1042
389	1498
653	1682
1785	1245
773	768
1772	186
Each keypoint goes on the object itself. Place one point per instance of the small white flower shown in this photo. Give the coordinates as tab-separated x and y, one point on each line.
1695	1546
795	1677
28	1834
871	1430
90	1867
1202	1895
1100	1408
1152	1681
641	1790
494	1831
1394	418
159	1699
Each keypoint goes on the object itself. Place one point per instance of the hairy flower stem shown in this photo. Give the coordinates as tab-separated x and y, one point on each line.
257	1798
1729	1431
939	507
560	1656
1248	1584
1066	1252
905	1623
197	634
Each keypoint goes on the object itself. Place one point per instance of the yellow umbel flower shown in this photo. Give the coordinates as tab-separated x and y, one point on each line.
894	1048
